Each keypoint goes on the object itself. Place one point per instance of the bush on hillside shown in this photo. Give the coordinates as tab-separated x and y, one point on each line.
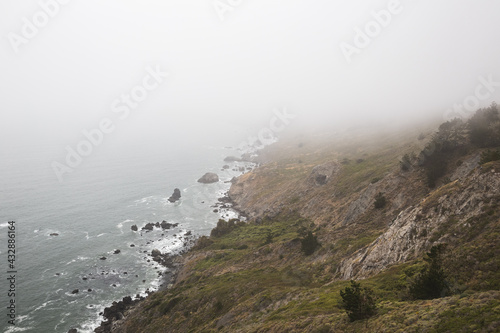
431	281
224	227
484	127
309	243
490	156
358	301
380	201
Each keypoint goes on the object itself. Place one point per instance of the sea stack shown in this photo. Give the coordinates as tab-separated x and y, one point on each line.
209	178
175	196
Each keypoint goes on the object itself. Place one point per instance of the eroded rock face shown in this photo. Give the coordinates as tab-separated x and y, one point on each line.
360	205
410	233
209	178
466	167
390	186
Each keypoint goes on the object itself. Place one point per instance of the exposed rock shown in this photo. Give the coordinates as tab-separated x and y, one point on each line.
117	251
209	178
321	174
155	253
175	196
148	227
73	330
103	258
165	225
54	234
225	167
76	291
410	233
134	228
466	167
360	205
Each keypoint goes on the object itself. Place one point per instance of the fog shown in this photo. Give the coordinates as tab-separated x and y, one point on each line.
66	65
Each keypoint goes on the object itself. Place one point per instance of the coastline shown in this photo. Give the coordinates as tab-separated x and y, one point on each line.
117	313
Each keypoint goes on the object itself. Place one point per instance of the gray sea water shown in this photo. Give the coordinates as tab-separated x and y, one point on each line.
92	212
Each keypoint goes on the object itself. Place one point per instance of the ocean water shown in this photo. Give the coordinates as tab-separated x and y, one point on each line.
92	212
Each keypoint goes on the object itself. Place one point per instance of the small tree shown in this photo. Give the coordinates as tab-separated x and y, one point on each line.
358	302
309	243
380	201
431	281
405	163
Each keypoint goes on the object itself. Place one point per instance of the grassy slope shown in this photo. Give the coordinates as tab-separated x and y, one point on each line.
239	283
248	281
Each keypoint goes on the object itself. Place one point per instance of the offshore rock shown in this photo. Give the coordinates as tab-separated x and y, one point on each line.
175	196
209	178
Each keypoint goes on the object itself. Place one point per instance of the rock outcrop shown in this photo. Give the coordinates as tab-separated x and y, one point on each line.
417	228
321	174
209	178
175	196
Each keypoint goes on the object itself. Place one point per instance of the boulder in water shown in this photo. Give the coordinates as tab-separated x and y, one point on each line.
209	178
175	196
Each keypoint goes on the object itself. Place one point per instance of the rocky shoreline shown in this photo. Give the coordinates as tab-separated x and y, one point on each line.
116	314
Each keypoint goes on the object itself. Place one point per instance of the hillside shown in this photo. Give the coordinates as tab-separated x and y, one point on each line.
377	204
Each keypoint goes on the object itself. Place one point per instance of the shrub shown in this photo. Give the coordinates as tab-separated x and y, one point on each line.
358	302
405	163
223	227
489	156
309	243
269	238
202	243
431	281
435	168
484	127
380	201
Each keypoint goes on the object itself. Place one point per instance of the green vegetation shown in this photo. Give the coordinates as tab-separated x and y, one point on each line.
272	275
484	127
358	302
490	156
431	280
380	201
309	243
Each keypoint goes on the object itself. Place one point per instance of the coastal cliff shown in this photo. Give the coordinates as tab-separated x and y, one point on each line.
373	217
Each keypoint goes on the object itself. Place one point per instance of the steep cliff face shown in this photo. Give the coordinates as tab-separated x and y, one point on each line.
255	276
272	189
443	216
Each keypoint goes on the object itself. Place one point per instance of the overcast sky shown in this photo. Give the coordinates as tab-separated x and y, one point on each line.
234	64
